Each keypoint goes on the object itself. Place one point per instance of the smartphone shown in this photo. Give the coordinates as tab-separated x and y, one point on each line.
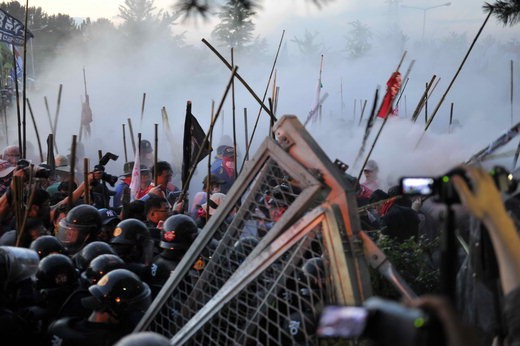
342	322
423	186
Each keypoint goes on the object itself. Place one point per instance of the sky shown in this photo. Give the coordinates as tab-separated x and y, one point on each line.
461	15
170	77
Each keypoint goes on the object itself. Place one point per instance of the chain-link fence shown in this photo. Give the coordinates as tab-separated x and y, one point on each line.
270	262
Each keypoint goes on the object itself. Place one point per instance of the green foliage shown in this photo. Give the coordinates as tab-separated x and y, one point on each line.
236	28
507	11
413	260
358	40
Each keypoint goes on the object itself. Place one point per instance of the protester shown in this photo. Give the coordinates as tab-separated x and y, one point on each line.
224	168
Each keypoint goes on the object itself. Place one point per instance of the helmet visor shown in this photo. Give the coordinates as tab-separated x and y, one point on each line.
72	236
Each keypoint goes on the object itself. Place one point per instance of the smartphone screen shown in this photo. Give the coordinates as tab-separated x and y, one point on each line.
342	321
417	186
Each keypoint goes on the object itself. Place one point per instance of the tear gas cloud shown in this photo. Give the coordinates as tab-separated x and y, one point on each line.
120	71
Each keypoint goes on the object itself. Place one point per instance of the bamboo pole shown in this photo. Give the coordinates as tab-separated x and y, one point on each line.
19	116
234	120
36	131
85	180
72	171
206	138
246	136
124	143
511	69
451	117
130	128
155	154
51	127
24	86
58	103
142	107
244	83
456	75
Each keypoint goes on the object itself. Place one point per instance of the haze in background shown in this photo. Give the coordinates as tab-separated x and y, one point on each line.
120	69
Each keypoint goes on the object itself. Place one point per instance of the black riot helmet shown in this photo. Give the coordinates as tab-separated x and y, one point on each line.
130	232
313	272
243	248
101	265
144	338
56	275
132	241
46	245
121	292
178	232
91	251
80	226
16	264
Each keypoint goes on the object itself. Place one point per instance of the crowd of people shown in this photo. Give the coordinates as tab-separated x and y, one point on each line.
78	273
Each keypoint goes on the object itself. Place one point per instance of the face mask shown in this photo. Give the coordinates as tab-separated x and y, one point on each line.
229	164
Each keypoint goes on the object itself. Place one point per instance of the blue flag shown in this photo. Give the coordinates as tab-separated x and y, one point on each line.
12	31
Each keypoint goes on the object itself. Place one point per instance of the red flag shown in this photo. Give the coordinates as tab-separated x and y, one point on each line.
392	88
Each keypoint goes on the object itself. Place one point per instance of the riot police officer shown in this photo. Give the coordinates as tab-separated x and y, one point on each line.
177	235
79	227
118	302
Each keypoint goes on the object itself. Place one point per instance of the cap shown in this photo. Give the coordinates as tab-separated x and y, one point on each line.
213	180
145	147
225	151
108	216
371	166
5	168
129	166
215	200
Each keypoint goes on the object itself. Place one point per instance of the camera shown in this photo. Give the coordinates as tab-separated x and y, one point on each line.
443	188
341	165
39	171
383	321
100	167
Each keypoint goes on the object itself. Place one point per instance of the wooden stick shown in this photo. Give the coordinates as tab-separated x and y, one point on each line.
208	184
423	99
58	103
85	179
206	138
50	124
246	136
273	118
456	74
4	111
72	171
130	128
35	130
426	105
244	83
24	86
155	154
142	107
362	111
19	116
124	143
234	120
451	117
511	68
27	208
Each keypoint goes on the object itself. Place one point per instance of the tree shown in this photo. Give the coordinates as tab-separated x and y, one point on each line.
507	11
358	40
236	28
140	19
308	45
202	7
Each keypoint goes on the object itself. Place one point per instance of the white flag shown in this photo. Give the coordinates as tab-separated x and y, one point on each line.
135	183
